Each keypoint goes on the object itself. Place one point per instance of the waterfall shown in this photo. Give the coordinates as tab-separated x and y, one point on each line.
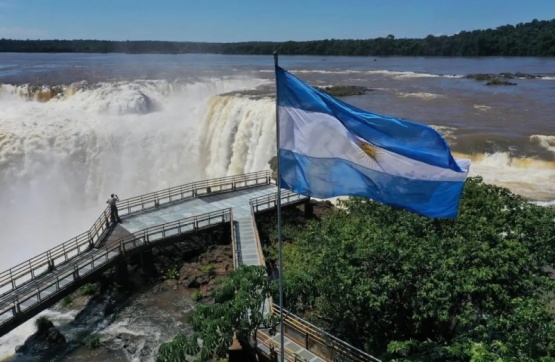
62	155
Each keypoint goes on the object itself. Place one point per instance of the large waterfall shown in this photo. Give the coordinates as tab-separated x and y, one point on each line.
64	150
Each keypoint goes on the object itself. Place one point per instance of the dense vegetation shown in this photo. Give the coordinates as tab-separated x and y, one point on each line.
401	286
405	287
536	38
237	310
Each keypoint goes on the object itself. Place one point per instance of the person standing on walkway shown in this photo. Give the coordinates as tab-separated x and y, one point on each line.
113	208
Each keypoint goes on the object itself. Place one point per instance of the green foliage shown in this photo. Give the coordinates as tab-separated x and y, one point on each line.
89	289
94	342
171	273
536	38
42	324
177	349
207	268
67	301
196	296
405	286
238	308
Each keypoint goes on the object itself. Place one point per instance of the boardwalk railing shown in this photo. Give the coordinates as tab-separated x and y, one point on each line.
195	189
274	347
234	249
47	261
319	342
261	259
54	284
268	202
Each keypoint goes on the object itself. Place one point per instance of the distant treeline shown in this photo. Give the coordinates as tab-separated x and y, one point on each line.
536	38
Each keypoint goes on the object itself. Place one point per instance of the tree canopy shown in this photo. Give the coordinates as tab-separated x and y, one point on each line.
402	286
237	309
536	38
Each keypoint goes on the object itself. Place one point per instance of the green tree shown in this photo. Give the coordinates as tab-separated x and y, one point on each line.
404	286
238	309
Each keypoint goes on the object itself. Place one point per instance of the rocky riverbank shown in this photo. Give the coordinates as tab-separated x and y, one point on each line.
129	320
504	78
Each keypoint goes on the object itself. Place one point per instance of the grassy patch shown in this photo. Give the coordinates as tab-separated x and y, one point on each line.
67	301
89	289
171	273
196	296
94	342
207	268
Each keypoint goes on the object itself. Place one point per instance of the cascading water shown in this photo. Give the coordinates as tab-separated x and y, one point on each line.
238	135
60	159
64	149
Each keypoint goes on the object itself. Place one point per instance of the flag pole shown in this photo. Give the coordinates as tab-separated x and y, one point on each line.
280	244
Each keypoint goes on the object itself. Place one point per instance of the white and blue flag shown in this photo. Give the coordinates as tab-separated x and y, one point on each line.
329	148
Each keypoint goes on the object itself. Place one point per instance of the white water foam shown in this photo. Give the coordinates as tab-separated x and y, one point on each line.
238	135
392	73
17	337
421	95
547	142
481	107
534	179
447	132
60	160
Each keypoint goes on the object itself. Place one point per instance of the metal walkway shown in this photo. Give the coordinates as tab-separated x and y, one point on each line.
150	220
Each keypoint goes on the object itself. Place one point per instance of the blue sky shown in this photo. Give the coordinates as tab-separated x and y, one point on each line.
243	20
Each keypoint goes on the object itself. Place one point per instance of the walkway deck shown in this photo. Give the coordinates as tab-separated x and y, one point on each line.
237	201
149	220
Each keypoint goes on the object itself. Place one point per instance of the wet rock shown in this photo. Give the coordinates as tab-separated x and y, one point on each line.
203	271
492	76
46	340
344	90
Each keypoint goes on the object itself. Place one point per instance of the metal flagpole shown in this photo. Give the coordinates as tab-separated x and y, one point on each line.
280	245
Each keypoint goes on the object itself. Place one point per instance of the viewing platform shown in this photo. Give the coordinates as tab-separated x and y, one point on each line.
152	220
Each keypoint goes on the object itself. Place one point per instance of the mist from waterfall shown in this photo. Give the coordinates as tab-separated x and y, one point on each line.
60	159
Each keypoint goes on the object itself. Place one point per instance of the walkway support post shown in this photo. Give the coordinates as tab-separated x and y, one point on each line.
280	244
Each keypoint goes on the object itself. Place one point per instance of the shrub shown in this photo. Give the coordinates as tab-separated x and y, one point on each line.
171	273
94	342
43	323
207	268
196	296
66	301
89	289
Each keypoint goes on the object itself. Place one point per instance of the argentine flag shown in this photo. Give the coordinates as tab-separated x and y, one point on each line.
329	148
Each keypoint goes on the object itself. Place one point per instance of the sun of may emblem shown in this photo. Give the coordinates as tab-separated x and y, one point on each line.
368	149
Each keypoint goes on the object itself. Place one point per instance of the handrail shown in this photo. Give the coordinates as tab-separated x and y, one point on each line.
272	345
315	340
48	260
234	244
261	258
324	339
57	255
266	202
194	189
70	273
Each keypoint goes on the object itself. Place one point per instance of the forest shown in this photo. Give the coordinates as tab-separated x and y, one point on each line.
535	38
